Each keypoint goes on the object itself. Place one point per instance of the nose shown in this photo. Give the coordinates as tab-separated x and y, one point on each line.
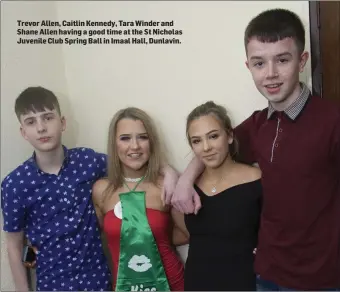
134	143
272	70
206	145
41	126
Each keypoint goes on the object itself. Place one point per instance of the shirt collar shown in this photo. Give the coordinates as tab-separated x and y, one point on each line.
33	161
296	107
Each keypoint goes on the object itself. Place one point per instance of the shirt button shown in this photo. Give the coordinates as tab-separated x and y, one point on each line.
276	145
280	130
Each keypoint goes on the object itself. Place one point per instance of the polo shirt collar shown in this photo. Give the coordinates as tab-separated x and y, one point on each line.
296	107
33	160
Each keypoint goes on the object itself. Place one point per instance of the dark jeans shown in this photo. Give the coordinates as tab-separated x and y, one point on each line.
264	285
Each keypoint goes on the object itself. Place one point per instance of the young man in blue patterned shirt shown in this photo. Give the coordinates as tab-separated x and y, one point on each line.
48	200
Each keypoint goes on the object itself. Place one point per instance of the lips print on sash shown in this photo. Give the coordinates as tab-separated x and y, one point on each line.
140	266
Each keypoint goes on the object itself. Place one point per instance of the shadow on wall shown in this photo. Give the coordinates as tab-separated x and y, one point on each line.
71	135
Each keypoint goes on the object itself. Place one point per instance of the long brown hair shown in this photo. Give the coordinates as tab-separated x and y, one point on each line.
156	160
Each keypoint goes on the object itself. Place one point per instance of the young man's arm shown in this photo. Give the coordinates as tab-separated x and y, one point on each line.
14	221
185	199
101	165
169	184
15	244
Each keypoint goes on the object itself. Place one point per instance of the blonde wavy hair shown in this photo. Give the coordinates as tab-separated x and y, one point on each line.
155	162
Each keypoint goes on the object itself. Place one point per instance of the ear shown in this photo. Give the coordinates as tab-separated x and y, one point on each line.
247	64
303	60
63	124
23	133
230	138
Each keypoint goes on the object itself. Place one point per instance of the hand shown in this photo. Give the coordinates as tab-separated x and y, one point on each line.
185	199
33	264
169	185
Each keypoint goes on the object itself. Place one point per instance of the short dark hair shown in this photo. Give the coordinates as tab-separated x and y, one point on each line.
274	25
36	99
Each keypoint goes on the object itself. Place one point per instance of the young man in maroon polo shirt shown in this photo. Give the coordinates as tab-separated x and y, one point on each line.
296	143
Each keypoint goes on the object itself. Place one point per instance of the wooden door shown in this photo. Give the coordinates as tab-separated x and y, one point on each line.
325	48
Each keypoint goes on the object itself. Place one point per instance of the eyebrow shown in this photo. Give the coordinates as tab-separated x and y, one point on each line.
192	137
279	55
284	54
256	58
130	134
44	114
29	118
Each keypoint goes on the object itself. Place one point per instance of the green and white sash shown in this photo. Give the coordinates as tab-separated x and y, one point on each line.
140	266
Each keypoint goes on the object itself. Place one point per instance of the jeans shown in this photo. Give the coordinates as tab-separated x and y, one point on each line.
265	285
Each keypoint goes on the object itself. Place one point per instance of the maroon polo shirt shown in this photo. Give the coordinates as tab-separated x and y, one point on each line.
298	151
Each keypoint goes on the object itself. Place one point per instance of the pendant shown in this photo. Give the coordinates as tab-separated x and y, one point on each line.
213	190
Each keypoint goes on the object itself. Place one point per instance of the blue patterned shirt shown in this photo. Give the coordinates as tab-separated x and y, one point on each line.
57	215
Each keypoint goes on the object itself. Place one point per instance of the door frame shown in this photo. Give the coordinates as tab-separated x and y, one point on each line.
315	54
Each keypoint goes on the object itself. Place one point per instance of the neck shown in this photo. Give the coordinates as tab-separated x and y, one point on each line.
51	161
283	105
131	173
215	174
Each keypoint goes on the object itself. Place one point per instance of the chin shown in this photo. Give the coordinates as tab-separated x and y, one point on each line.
136	167
46	147
276	99
212	164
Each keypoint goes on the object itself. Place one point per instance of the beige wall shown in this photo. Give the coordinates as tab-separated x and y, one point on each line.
22	66
93	82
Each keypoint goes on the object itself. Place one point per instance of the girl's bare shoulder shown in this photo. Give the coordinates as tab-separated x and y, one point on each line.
248	172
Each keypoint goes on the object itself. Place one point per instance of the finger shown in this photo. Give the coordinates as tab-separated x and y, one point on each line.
188	207
168	197
176	205
162	196
197	203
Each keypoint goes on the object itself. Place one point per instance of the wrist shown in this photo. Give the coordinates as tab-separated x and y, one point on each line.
187	178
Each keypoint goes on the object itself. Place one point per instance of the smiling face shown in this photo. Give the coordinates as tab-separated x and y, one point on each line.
275	68
133	146
43	130
209	140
